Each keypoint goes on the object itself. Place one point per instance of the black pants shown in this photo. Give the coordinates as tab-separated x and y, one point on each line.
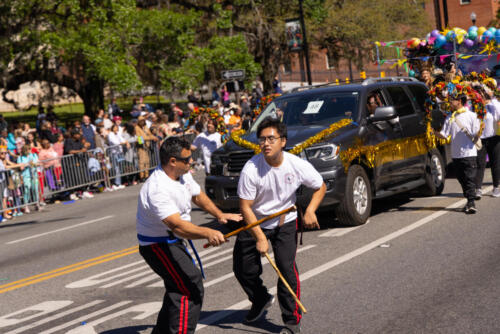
247	268
491	146
183	283
466	169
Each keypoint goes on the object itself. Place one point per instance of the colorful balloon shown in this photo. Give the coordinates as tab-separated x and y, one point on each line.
412	43
492	29
439	42
468	43
472	28
450	36
486	37
480	31
472	35
497	36
435	33
411	73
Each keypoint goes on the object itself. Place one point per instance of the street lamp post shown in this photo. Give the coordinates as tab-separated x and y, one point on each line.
306	47
473	18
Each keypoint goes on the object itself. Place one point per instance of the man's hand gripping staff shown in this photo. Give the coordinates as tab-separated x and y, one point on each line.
258	222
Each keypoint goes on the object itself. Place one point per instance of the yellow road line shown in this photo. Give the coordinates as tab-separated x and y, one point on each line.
67	269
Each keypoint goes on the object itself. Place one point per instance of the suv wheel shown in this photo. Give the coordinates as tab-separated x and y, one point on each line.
356	205
434	174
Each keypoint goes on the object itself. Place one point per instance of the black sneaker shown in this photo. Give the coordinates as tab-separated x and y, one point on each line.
470	208
257	310
290	329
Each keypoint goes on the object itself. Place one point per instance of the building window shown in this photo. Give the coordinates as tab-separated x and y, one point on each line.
330	61
287	66
465	2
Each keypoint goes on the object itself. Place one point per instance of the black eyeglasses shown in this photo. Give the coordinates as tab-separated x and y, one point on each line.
270	139
184	160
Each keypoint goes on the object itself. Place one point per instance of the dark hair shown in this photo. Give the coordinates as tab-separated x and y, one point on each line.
272	122
172	147
439	78
461	97
130	128
448	66
198	126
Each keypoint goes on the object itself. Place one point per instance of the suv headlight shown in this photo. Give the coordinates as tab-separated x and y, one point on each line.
324	152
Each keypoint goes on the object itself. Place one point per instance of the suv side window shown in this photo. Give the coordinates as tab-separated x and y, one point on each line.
419	95
400	100
374	100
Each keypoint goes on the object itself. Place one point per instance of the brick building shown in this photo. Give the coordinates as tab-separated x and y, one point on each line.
441	13
457	13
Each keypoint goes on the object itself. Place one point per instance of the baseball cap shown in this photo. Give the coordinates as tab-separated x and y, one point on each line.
117	118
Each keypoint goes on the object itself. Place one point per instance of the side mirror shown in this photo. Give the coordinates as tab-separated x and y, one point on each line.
383	114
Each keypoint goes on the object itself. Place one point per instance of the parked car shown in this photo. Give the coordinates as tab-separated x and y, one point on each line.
387	116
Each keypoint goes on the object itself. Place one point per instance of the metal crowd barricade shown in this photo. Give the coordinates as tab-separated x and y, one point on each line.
19	188
76	171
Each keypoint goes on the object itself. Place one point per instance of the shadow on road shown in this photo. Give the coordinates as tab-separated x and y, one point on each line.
261	326
128	330
10	223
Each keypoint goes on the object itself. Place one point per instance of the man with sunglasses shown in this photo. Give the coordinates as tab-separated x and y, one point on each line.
267	184
163	220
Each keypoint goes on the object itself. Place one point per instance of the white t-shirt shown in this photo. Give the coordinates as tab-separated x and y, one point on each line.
208	144
490	120
461	145
161	197
107	123
273	188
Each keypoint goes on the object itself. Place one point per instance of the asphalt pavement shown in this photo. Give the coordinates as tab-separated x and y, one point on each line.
418	266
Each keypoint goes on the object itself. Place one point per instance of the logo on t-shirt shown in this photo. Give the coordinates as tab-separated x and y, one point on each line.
289	177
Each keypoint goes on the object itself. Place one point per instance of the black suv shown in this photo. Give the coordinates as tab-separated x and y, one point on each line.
382	152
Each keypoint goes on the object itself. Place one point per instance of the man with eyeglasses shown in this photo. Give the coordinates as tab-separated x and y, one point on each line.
163	220
267	184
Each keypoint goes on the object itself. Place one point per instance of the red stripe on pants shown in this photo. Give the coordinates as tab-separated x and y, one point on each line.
181	315
170	268
296	312
186	316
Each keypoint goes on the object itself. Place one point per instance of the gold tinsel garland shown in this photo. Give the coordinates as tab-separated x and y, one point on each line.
320	136
371	155
391	150
236	137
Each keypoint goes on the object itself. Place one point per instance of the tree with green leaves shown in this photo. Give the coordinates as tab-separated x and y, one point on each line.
86	45
348	28
81	45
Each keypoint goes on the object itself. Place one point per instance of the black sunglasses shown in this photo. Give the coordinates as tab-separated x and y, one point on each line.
184	160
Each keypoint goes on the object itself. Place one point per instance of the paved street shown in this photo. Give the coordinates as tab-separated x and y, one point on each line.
418	266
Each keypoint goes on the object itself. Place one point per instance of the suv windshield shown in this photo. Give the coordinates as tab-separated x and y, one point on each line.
312	109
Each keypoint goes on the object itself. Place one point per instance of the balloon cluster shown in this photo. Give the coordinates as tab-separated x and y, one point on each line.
443	40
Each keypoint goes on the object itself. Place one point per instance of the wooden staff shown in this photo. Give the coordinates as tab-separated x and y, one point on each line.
258	222
286	283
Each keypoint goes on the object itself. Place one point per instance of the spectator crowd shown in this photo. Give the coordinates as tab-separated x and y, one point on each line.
51	161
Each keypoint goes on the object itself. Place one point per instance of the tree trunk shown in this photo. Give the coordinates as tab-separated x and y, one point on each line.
93	97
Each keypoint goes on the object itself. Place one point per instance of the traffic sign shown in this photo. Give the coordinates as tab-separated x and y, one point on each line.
233	74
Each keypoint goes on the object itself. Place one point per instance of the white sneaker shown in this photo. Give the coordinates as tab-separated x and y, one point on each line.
121	186
496	192
115	187
108	189
73	197
87	194
479	194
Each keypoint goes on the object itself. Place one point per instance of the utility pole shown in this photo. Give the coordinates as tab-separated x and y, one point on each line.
306	47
